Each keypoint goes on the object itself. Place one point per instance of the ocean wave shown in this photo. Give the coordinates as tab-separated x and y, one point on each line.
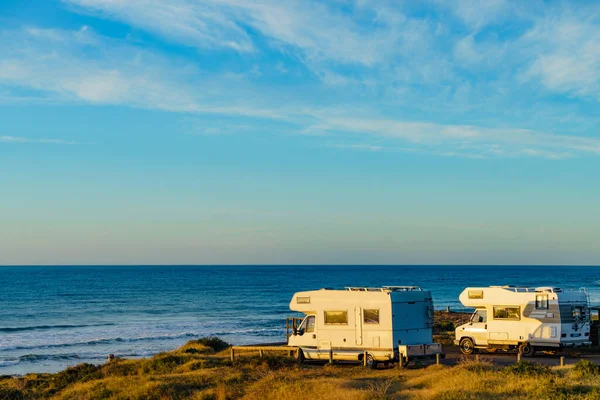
47	327
44	357
100	341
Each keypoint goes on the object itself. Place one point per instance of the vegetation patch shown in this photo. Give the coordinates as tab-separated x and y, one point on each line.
528	368
585	369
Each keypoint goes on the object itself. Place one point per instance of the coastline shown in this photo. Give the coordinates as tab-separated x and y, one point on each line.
203	370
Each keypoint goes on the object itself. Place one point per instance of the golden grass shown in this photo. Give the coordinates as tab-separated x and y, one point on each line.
197	371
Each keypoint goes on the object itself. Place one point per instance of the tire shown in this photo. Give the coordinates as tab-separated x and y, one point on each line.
526	349
300	357
467	347
371	363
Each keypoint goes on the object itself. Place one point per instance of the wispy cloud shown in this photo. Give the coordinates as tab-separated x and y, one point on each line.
395	75
16	139
462	139
84	66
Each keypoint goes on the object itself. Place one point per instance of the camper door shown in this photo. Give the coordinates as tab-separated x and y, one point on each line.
477	327
306	337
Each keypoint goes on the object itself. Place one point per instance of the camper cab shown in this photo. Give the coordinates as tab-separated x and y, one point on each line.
527	319
388	323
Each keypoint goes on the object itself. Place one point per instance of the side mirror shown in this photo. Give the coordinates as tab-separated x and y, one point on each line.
295	331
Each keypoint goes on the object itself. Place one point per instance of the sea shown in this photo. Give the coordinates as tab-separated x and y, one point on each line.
52	317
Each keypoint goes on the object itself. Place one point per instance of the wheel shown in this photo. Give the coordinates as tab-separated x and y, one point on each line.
300	356
467	346
526	349
371	363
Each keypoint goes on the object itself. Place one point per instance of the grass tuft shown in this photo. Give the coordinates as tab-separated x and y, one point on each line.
528	368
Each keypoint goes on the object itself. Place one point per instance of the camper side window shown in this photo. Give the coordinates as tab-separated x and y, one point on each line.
371	316
503	312
541	301
336	317
310	323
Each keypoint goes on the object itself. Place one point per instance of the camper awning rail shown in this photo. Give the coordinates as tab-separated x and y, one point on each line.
385	289
542	289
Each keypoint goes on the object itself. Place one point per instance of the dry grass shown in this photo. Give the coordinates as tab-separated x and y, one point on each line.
201	370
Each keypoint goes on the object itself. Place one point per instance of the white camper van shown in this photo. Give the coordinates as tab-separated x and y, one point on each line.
389	323
527	319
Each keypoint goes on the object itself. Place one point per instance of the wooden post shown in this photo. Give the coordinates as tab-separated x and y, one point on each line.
261	353
330	356
518	357
448	309
437	359
562	361
232	354
365	358
477	357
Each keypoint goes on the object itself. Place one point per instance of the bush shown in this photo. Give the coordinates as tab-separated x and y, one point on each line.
444	326
528	368
585	368
213	342
164	363
78	373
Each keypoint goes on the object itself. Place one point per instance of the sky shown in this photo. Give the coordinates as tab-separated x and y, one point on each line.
299	132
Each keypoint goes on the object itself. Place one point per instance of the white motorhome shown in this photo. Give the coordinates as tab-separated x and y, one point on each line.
527	319
389	323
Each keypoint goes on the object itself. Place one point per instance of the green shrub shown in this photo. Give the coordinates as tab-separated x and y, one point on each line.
215	343
164	363
528	368
444	326
11	394
585	368
78	373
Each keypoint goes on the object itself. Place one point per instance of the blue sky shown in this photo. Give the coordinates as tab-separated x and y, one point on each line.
358	131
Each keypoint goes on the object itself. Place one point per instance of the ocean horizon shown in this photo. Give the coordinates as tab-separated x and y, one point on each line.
56	316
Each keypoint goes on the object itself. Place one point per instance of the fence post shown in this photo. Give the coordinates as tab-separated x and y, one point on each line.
518	357
437	359
477	357
232	354
261	353
365	358
562	361
330	356
447	309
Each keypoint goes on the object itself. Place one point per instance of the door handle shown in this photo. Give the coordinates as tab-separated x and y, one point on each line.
314	336
485	327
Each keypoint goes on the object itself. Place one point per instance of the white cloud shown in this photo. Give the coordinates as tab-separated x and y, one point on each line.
83	66
567	54
460	140
16	139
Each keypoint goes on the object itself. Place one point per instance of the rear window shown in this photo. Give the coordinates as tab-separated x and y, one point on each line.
371	316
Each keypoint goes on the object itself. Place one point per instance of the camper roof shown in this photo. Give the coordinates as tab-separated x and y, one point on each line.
541	289
385	289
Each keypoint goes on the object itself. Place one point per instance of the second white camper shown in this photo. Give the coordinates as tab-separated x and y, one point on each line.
527	319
